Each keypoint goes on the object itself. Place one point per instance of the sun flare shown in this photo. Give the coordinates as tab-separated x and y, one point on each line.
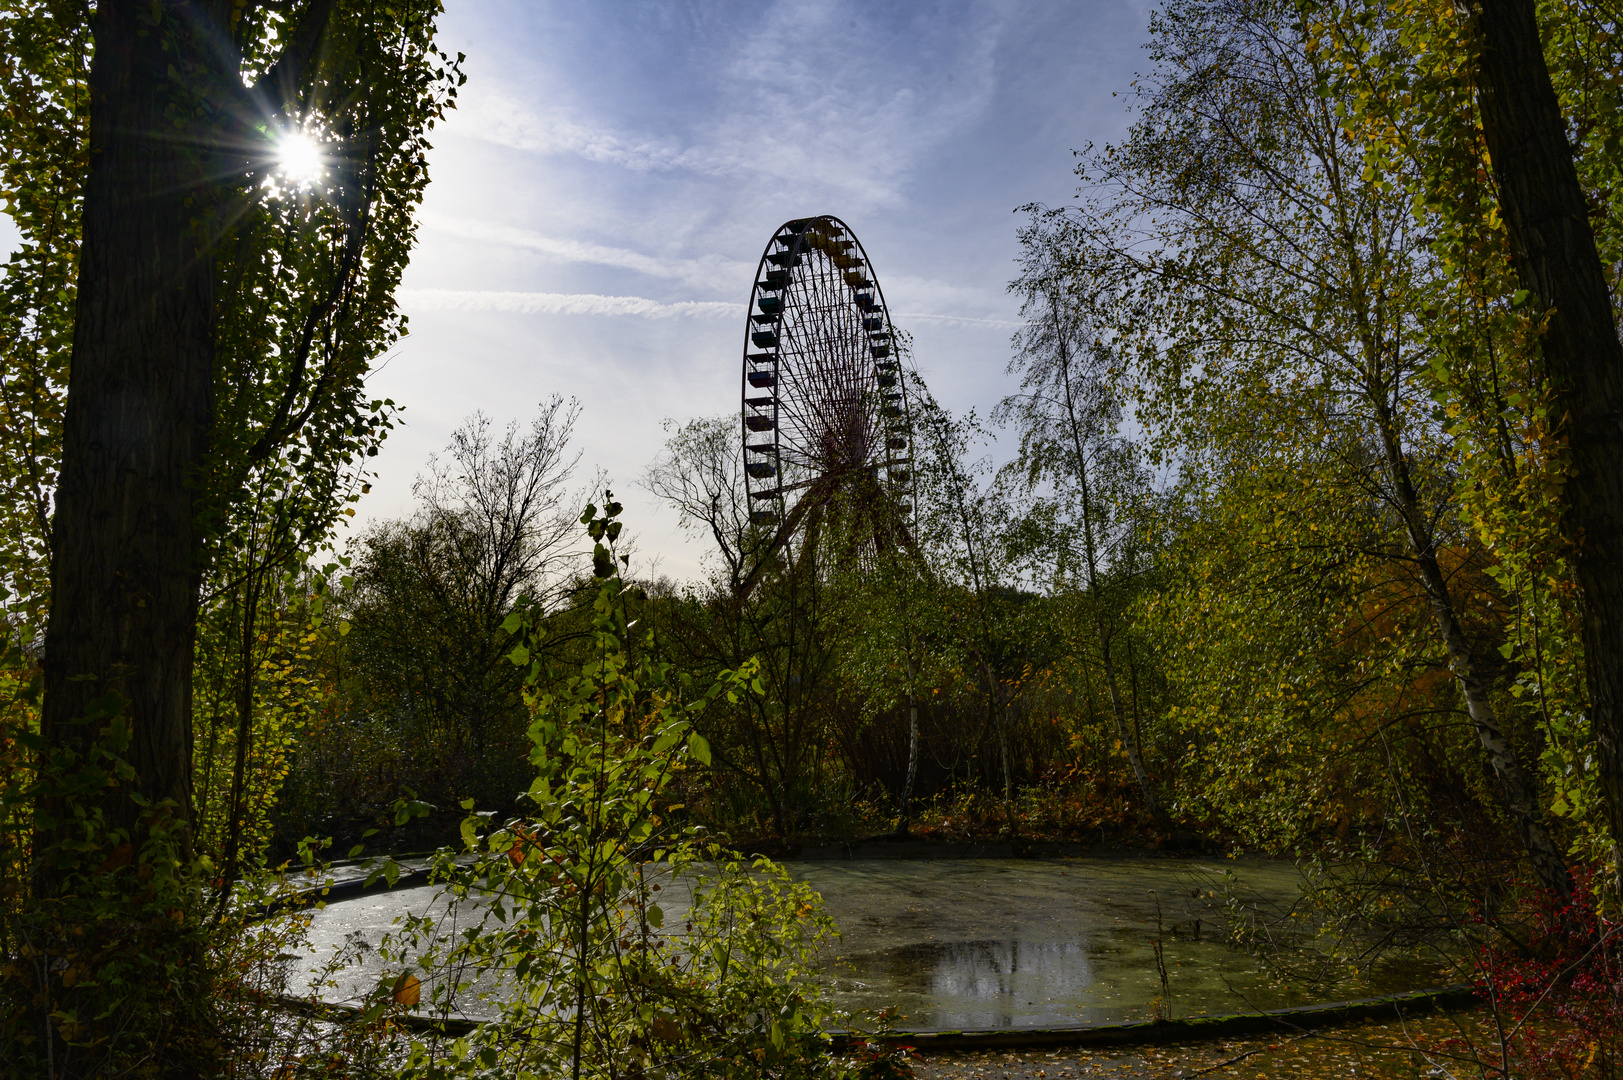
299	158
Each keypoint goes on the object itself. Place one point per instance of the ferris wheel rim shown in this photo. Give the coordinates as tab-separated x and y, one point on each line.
762	432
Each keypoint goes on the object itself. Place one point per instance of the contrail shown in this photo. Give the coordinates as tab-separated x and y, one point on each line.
540	303
964	320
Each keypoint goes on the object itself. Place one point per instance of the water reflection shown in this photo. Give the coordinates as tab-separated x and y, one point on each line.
1006	943
987	983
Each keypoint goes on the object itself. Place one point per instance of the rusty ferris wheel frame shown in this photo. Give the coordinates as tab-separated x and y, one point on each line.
826	417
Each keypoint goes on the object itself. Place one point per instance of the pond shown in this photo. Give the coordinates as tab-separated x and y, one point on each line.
994	943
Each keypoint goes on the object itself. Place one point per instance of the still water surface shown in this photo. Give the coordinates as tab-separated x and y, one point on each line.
959	943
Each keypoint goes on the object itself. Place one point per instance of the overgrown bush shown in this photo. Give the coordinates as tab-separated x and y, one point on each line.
566	939
134	964
1557	987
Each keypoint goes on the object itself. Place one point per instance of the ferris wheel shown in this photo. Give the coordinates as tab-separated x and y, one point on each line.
827	427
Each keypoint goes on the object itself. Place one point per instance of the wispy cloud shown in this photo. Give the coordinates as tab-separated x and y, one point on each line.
496	117
825	100
540	303
711	272
849	106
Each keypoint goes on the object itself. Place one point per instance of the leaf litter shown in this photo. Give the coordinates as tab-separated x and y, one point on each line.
1433	1046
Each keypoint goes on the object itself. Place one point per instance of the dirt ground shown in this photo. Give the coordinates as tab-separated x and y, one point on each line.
1436	1047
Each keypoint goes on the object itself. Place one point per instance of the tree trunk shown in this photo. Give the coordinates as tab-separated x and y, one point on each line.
912	757
125	553
1135	757
994	709
1546	216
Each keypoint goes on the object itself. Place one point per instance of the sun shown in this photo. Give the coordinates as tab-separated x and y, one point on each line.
299	158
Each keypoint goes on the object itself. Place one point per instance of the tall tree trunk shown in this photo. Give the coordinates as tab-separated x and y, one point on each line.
1135	756
912	757
124	556
1146	786
1556	259
996	717
248	667
994	690
912	745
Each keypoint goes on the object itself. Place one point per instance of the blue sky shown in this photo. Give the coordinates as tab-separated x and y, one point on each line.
601	197
602	194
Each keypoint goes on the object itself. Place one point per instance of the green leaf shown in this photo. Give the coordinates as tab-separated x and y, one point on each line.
699	748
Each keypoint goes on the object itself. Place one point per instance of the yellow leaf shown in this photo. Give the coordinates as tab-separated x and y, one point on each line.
408	990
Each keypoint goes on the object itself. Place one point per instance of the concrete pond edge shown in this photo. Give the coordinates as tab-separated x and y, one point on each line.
1297	1019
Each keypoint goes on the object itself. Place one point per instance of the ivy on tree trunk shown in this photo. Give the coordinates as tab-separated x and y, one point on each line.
216	423
1553	246
125	552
